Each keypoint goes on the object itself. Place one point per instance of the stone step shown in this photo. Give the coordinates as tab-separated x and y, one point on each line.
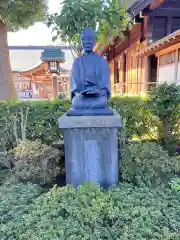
59	144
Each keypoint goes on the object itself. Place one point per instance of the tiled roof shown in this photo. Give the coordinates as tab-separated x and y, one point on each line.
27	57
52	54
138	6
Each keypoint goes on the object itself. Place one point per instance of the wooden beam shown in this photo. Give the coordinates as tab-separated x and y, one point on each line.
168	49
156	3
162	12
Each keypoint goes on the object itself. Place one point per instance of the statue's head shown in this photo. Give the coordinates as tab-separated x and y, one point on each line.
88	39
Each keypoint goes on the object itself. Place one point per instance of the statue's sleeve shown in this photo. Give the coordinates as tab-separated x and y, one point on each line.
74	78
106	77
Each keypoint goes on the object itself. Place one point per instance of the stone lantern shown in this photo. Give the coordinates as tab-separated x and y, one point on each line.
54	57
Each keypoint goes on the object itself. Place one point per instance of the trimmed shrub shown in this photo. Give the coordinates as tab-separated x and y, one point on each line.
138	117
125	212
165	104
147	163
36	162
42	121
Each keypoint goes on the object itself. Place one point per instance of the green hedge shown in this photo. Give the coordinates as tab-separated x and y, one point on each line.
124	212
41	120
43	115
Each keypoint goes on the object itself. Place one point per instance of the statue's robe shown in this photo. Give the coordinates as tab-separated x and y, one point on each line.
90	72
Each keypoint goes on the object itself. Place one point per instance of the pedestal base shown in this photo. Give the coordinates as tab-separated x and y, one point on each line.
91	149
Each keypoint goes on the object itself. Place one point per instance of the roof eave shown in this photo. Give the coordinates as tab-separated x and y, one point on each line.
161	44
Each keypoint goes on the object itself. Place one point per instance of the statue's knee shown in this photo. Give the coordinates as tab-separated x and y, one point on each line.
77	102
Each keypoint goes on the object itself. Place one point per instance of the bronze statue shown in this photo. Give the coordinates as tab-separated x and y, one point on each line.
90	81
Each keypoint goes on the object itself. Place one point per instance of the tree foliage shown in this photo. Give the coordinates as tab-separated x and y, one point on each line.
107	17
17	14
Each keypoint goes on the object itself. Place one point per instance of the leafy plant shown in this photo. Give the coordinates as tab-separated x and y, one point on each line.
137	115
165	104
15	198
4	174
175	183
147	163
125	212
36	162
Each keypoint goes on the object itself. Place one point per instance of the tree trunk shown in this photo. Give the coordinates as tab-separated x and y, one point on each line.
7	89
166	132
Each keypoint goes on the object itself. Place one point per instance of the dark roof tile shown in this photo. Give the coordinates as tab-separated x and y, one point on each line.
138	6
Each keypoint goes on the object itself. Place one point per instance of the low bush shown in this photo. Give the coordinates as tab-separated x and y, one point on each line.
14	200
148	163
36	162
4	174
175	183
165	104
125	212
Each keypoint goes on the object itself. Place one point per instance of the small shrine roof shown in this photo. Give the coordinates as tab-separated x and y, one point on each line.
50	54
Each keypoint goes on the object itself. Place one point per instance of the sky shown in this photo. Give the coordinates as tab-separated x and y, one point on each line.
38	34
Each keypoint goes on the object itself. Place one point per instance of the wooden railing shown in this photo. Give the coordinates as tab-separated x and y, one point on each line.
133	88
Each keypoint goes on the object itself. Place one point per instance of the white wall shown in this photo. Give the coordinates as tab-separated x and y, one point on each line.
178	74
166	73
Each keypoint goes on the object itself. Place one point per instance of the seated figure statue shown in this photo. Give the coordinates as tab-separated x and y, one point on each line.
90	81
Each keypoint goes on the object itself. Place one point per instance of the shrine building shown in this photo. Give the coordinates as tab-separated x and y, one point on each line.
31	74
149	54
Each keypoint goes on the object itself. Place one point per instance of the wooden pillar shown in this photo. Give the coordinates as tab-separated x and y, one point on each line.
176	65
34	86
112	76
145	79
54	86
158	65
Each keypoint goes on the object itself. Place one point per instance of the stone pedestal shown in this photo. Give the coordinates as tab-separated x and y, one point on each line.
91	149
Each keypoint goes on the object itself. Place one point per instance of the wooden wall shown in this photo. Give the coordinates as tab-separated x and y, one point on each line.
164	20
129	72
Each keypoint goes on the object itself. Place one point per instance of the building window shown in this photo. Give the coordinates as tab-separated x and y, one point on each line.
167	59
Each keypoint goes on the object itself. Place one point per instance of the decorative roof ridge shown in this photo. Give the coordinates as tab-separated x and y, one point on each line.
37	47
